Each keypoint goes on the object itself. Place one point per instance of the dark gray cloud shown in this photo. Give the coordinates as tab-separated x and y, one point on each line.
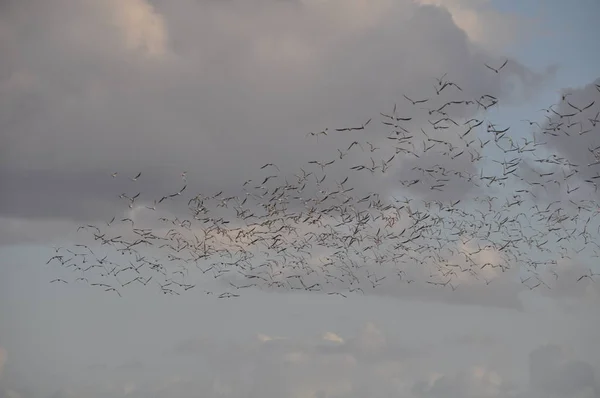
554	374
214	88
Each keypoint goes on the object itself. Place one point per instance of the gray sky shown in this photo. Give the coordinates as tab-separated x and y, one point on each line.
219	88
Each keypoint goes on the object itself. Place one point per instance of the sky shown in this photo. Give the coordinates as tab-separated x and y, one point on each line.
201	94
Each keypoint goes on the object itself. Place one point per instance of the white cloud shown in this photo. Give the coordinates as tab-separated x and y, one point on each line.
485	25
142	27
330	336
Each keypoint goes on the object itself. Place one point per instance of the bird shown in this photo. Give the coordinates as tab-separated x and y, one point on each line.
270	164
415	102
330	233
497	70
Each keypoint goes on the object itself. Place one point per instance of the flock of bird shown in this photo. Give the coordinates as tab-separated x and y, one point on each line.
531	210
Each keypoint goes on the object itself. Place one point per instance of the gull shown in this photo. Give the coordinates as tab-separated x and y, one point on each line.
590	276
354	143
114	290
324	132
128	219
270	164
267	179
415	102
565	95
441	79
114	174
175	194
362	127
497	70
581	109
100	284
166	197
531	123
321	164
372	147
228	295
136	177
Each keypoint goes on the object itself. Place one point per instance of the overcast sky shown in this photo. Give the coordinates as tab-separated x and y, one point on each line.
218	88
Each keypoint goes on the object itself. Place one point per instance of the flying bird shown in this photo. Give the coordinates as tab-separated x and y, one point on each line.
497	70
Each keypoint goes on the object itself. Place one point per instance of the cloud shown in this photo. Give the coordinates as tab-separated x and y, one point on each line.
368	363
572	280
330	365
475	339
573	133
5	392
164	87
330	336
2	359
142	27
485	25
16	230
473	382
9	393
565	165
555	373
218	89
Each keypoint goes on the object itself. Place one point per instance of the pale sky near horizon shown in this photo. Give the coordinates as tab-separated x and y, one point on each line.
218	88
